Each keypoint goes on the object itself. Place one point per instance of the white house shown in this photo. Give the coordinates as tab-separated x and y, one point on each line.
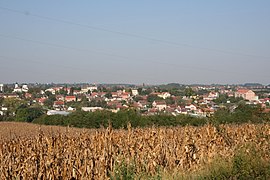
134	92
71	109
164	95
55	112
17	88
89	88
91	109
160	105
53	91
191	107
4	108
25	88
213	95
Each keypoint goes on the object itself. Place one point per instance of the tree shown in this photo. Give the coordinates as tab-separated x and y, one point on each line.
140	91
28	114
7	89
1	100
176	92
48	93
108	95
102	89
71	91
49	103
181	102
169	101
137	98
236	99
189	92
128	90
34	90
221	99
13	104
62	92
144	91
151	98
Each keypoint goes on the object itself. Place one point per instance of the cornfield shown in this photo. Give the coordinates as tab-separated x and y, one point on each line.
29	151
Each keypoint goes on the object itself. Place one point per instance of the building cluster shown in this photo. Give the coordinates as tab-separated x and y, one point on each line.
199	101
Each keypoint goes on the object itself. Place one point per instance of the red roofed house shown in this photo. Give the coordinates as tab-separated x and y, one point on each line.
41	100
28	95
125	95
94	94
160	105
114	94
266	110
70	98
60	97
152	111
58	105
143	103
246	94
115	104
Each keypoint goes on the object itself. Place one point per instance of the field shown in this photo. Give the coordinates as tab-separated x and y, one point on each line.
29	151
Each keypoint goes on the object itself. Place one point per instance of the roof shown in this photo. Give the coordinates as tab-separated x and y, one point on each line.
55	112
266	110
58	103
160	102
114	93
242	91
94	94
42	100
70	97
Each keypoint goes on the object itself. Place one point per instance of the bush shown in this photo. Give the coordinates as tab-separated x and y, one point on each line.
123	171
51	120
247	163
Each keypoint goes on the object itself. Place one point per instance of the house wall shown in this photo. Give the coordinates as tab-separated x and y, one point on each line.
161	107
249	95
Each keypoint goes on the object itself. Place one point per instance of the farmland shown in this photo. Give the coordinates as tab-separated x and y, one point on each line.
29	151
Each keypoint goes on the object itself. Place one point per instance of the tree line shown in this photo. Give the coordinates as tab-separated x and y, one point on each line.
81	119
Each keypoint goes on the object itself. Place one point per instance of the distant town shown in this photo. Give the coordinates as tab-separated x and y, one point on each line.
173	98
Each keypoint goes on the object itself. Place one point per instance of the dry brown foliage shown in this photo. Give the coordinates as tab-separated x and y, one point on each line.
29	151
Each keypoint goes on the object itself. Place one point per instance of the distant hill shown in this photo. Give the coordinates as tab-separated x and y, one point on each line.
171	86
252	84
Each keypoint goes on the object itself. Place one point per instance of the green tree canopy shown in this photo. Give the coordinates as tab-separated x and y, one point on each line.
28	114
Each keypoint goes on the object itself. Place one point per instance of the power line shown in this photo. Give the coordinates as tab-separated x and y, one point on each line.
61	46
114	55
85	70
132	35
57	65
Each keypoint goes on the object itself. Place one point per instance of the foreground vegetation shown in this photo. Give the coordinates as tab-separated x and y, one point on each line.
205	152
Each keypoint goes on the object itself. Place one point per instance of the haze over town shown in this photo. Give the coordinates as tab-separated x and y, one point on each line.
152	42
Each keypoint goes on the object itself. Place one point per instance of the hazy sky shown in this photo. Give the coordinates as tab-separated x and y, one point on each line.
142	41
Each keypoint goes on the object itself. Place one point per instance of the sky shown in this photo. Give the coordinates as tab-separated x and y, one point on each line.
135	42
